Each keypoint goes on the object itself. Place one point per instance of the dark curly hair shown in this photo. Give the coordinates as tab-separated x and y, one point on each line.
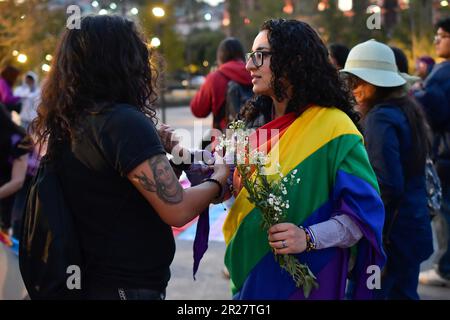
444	23
300	57
105	62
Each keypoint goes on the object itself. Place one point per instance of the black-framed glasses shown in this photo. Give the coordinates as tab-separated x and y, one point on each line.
257	57
439	37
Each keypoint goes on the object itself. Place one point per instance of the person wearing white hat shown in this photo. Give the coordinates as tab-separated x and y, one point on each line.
396	140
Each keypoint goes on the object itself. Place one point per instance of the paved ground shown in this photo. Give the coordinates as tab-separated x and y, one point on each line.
210	284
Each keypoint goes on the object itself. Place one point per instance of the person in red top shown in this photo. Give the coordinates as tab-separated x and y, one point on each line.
212	94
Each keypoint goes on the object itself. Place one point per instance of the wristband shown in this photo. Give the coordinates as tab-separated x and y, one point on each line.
310	243
220	195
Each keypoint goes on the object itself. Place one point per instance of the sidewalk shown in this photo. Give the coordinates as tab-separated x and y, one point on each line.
210	283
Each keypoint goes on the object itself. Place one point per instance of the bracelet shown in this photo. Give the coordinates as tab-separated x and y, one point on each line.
310	243
218	183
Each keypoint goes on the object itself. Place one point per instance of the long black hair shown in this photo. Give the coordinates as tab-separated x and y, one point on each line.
300	57
106	61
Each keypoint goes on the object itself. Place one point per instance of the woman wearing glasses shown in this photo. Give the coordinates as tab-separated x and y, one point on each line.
336	205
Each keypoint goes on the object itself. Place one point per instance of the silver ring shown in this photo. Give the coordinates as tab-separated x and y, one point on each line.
283	243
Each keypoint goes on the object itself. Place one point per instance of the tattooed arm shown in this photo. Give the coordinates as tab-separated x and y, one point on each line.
157	182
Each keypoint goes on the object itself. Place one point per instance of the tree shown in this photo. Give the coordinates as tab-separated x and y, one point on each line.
32	28
172	46
203	47
348	28
421	27
246	17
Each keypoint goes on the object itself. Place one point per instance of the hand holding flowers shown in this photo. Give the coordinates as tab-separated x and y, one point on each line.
268	192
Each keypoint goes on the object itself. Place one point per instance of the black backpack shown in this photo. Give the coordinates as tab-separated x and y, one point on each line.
49	250
237	96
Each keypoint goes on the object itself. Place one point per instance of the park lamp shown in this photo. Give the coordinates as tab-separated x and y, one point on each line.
22	58
345	5
158	12
155	42
45	67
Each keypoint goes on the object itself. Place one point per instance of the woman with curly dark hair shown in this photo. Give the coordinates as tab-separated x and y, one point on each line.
96	114
336	203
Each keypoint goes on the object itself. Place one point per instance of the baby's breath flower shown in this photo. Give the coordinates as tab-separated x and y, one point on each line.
266	194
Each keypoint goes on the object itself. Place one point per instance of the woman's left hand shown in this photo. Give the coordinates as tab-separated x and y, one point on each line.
287	238
168	138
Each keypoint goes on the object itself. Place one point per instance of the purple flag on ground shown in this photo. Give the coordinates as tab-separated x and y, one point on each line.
196	174
201	239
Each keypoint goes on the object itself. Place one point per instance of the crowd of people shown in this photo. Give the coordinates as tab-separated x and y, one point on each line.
353	122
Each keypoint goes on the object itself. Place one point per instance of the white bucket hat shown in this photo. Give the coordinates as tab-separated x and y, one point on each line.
374	62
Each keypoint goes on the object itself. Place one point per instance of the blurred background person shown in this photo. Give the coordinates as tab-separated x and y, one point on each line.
435	99
29	92
14	149
403	67
8	77
212	94
338	54
424	65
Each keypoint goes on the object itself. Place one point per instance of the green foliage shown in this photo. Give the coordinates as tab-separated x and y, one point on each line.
202	45
413	31
257	13
172	46
30	28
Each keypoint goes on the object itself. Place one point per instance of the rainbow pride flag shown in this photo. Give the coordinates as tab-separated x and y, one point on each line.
327	149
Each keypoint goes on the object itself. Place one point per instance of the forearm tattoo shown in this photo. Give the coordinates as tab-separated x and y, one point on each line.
165	182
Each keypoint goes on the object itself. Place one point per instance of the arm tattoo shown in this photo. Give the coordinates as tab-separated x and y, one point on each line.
165	182
145	182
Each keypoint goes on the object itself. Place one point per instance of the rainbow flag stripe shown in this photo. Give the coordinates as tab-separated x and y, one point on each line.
326	148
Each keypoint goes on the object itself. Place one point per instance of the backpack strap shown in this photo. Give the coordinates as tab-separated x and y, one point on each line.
222	111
